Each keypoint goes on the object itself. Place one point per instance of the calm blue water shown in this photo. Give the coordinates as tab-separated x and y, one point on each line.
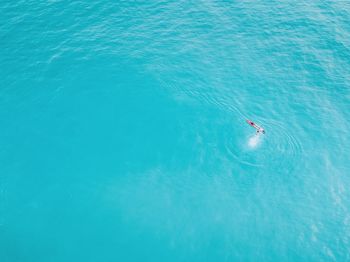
123	134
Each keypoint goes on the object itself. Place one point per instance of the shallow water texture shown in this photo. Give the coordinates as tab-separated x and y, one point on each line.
123	133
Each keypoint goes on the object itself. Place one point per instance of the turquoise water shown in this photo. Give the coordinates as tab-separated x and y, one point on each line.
123	134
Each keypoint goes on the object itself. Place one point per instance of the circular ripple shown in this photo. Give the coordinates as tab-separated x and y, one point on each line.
283	147
279	150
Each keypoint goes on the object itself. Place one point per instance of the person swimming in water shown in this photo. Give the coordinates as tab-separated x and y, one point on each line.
259	130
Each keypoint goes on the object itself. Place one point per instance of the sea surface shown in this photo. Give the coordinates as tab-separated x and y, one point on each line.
123	133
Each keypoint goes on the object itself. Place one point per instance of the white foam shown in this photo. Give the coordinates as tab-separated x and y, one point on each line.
254	141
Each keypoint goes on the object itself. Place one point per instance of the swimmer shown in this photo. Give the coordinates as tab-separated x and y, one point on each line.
258	128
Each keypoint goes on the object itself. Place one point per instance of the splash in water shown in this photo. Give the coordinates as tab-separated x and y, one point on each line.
254	141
